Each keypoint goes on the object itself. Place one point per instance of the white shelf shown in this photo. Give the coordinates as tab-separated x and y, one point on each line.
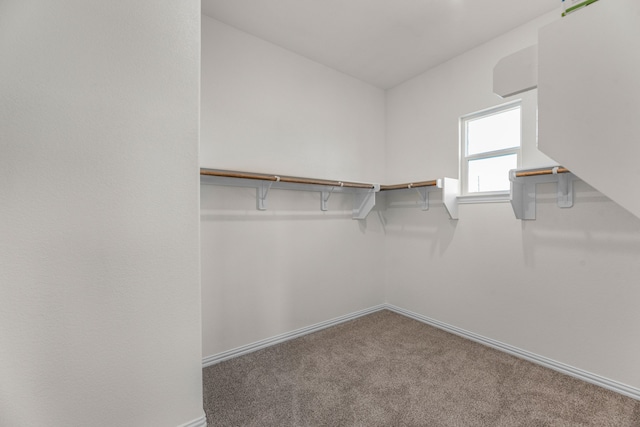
523	189
364	199
363	194
449	193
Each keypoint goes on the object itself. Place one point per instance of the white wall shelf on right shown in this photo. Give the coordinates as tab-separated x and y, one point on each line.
523	189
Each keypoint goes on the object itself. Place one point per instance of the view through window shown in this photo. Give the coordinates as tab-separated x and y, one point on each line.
490	148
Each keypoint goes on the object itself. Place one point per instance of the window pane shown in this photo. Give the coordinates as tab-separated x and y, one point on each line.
494	132
491	174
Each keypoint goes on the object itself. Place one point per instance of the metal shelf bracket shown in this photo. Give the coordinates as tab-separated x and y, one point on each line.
565	190
324	198
262	190
364	201
423	192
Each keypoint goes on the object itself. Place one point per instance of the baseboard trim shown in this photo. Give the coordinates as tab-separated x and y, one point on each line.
523	354
198	422
583	375
258	345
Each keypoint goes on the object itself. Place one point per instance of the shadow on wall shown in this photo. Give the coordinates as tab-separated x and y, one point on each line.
594	227
236	204
401	215
239	204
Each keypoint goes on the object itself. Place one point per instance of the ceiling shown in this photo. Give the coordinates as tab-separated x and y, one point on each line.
382	42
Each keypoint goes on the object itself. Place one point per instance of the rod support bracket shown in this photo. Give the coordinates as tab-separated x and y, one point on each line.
565	190
262	190
364	201
324	198
423	192
523	191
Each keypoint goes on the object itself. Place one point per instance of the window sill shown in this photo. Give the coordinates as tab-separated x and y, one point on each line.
498	197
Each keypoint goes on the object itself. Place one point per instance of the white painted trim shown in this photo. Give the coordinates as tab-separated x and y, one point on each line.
524	354
239	351
502	197
198	422
583	375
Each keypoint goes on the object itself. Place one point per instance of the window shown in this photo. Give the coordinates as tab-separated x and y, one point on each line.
490	147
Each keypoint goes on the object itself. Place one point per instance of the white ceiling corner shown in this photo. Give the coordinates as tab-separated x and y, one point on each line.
381	42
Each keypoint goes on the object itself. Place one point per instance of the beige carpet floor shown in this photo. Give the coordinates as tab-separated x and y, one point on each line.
385	369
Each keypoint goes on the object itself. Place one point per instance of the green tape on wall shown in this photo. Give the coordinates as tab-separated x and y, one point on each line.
573	5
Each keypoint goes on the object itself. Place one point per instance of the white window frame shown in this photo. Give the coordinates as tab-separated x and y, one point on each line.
485	196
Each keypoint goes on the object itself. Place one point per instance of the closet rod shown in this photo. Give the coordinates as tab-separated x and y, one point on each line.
542	172
409	185
278	178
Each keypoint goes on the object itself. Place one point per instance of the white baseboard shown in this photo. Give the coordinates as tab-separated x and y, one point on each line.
523	354
515	351
229	354
198	422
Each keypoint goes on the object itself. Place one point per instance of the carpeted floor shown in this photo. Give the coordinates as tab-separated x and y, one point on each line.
385	369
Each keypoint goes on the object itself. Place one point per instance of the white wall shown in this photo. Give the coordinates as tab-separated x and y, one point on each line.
99	261
265	109
423	114
563	286
604	64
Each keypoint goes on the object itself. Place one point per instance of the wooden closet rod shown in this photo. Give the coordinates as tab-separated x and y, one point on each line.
409	185
279	178
542	172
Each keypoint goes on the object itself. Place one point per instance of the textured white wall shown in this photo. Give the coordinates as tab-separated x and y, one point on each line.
99	260
604	64
563	286
423	114
268	110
